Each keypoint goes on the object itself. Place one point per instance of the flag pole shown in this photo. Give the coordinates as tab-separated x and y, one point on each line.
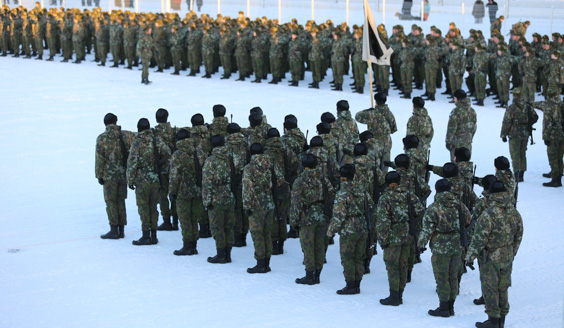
370	80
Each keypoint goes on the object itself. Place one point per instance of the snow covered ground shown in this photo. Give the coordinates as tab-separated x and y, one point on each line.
57	272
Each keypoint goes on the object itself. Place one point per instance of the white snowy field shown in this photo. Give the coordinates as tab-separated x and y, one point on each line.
57	272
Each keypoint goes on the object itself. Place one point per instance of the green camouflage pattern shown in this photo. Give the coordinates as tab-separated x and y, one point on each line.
421	125
147	197
261	223
461	126
307	198
189	211
141	164
312	241
348	211
216	179
352	248
396	258
109	162
446	269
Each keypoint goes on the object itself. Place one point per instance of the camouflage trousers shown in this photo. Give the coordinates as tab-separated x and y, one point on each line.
276	67
503	89
79	50
39	45
189	209
518	151
195	59
529	88
279	229
130	55
395	259
160	56
296	69
431	79
406	79
359	70
455	81
555	151
419	71
260	225
412	246
221	224
226	63
67	49
316	70
102	51
496	280
147	196
445	269
371	239
353	251
383	76
338	71
243	65
145	62
312	240
480	85
258	67
52	42
115	194
116	53
167	209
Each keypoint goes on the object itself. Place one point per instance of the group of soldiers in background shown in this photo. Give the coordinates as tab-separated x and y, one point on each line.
233	180
262	46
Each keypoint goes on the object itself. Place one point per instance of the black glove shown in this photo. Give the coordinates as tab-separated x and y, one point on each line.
248	212
547	143
101	181
132	187
422	250
470	265
385	246
476	180
209	207
504	139
172	197
347	151
429	167
306	147
388	163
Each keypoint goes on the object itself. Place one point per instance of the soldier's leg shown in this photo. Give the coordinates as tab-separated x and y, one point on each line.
490	278
267	232
307	239
360	255
404	255
112	201
39	46
384	73
441	264
347	250
184	206
154	196
514	151
523	155
217	225
145	72
453	269
554	159
142	197
320	234
257	222
504	284
122	195
391	259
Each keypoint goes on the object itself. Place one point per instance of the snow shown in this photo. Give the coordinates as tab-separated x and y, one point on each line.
57	272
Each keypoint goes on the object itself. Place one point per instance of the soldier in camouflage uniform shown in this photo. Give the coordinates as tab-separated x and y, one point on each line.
528	67
242	53
185	190
461	124
338	56
420	124
553	135
218	199
78	36
441	226
307	214
226	50
258	46
457	67
432	54
112	149
407	57
144	51
208	51
176	50
275	55
315	57
380	121
515	127
392	225
66	27
130	38
161	39
348	130
359	65
479	69
295	58
260	179
349	221
194	41
116	41
220	122
497	237
148	154
502	74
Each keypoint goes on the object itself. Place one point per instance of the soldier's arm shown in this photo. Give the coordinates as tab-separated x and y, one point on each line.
296	204
132	164
362	117
383	224
518	233
392	121
339	214
207	188
507	123
539	105
174	178
100	160
451	129
429	224
480	237
247	187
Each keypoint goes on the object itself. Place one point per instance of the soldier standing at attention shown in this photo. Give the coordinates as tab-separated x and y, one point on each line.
497	237
145	48
218	199
420	124
306	213
441	226
112	149
461	124
350	222
147	154
392	225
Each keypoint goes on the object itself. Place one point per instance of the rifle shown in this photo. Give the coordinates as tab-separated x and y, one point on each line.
376	191
532	118
463	233
516	192
274	192
338	152
305	146
367	215
198	168
327	203
231	118
156	160
428	173
124	152
235	178
466	192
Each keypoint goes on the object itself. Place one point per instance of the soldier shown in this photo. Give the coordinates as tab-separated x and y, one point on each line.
503	173
185	190
116	41
392	225
194	41
349	221
407	57
346	125
258	46
78	36
161	45
502	75
461	124
359	65
338	57
260	178
479	69
456	69
112	150
307	214
220	122
275	56
166	133
130	37
147	154
552	135
218	199
315	57
497	237
295	58
517	126
145	48
226	50
528	67
420	124
66	28
380	121
242	53
432	54
441	226
176	50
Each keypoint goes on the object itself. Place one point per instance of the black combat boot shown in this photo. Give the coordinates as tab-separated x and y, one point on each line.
204	231
408	279
40	57
432	96
145	240
358	90
166	225
502	321
407	95
188	248
281	247
115	65
219	258
367	266
154	239
256	80
121	232
501	105
192	73
441	311
228	254
521	176
317	276
480	102
447	92
268	264
547	175
64	61
315	85
479	301
259	268
307	280
275	244
77	61
350	288
490	323
451	307
207	76
400	296
50	58
176	72
159	70
112	234
393	299
102	64
556	182
4	54
294	84
175	222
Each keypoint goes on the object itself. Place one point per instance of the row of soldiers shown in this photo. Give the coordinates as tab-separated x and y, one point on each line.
231	180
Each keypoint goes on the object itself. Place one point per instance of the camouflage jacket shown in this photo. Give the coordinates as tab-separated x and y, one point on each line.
201	137
461	125
184	171
418	165
307	198
284	159
348	129
407	57
316	50
349	210
218	126
421	125
503	66
457	63
462	183
552	118
516	120
216	179
130	36
142	167
379	120
258	183
412	181
528	67
508	179
330	144
194	40
116	34
167	134
111	154
432	53
480	63
498	231
365	170
339	51
376	151
392	221
238	150
326	164
145	47
295	51
481	205
78	32
441	224
295	141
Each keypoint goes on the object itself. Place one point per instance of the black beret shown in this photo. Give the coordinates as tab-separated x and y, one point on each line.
442	185
218	110
323	128
197	119
347	171
393	177
161	115
501	163
217	141
402	160
143	125
110	119
316	141
462	154
182	134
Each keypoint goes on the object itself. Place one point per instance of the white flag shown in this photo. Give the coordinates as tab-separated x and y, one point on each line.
373	49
